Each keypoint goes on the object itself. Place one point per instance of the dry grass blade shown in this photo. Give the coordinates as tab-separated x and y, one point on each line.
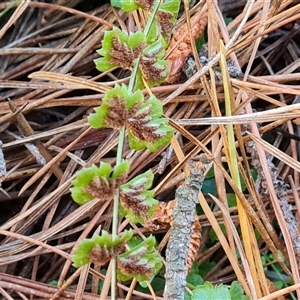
212	61
281	292
250	244
35	50
180	46
80	83
34	85
22	5
35	242
286	112
75	126
52	162
276	152
293	90
40	204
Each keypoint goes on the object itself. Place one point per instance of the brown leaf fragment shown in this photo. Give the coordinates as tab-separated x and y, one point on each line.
141	131
121	179
136	122
152	71
138	125
161	218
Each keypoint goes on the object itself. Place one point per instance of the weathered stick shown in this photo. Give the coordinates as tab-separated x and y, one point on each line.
181	230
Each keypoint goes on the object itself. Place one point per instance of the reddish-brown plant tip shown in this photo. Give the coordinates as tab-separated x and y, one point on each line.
181	44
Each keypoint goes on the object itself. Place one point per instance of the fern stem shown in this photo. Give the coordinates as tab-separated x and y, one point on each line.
151	19
117	191
119	159
146	31
116	216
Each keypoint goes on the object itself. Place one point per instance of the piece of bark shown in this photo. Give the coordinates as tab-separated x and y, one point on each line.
186	198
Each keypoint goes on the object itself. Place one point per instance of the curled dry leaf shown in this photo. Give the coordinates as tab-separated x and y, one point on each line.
162	217
181	44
